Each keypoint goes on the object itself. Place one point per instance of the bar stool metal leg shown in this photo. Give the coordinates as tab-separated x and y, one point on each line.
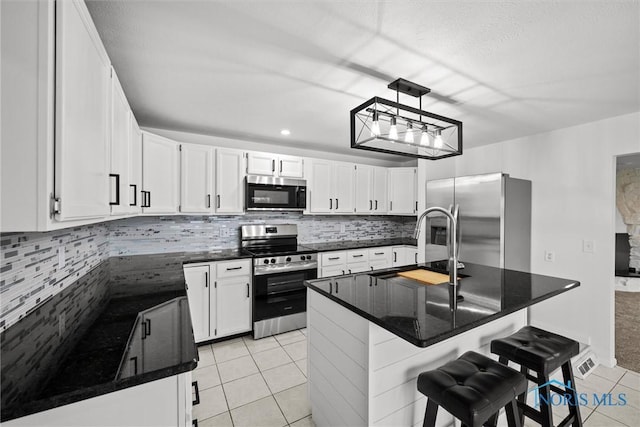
574	408
430	414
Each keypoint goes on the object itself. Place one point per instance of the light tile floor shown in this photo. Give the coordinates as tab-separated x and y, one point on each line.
260	383
243	382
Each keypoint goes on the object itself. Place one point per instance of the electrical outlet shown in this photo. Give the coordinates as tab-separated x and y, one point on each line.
62	258
343	228
224	232
549	256
62	323
588	246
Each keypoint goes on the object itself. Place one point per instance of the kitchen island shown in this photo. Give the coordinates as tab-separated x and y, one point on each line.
371	334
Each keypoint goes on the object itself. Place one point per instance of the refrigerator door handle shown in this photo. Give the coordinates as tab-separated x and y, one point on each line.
455	211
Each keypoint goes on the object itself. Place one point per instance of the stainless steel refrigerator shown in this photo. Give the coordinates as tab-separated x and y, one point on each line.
494	220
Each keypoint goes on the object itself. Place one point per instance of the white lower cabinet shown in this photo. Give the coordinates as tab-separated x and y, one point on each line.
358	260
404	255
219	296
164	402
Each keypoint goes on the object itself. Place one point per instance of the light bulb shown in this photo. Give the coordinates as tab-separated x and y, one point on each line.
393	130
408	136
437	141
424	139
375	127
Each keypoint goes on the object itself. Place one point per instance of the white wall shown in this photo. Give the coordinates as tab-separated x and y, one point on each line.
195	138
573	198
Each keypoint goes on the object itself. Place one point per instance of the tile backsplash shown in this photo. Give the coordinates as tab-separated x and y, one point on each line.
146	235
30	270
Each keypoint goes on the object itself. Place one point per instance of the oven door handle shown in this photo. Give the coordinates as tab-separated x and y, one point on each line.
264	270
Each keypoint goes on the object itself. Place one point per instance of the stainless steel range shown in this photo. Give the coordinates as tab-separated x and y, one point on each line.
280	267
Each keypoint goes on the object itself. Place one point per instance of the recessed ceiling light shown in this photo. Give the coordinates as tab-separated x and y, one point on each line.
285	132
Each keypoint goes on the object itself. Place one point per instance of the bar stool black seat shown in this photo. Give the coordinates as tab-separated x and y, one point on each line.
472	388
542	352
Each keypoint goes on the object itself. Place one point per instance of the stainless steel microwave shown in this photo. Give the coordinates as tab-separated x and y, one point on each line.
266	193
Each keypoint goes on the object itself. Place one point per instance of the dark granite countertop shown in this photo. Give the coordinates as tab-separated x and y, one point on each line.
358	244
97	351
420	313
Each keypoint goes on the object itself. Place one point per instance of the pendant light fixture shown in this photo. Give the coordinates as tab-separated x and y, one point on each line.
374	126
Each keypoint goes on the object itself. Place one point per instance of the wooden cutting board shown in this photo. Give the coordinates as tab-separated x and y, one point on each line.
426	277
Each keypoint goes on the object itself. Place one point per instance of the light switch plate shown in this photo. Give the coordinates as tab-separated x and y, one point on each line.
549	256
588	246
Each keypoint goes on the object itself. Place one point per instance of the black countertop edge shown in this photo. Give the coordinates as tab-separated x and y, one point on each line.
444	335
342	245
224	255
36	406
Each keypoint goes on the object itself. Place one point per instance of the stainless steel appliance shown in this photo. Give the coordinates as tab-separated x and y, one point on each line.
266	193
280	267
494	220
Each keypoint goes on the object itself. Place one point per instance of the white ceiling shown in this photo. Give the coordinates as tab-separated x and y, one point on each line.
246	69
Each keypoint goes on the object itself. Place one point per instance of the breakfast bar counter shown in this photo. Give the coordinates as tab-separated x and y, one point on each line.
371	334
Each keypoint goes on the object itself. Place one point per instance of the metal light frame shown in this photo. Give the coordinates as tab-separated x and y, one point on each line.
362	136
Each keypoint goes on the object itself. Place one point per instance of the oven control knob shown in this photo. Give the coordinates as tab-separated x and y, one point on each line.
308	256
302	257
266	261
273	260
288	258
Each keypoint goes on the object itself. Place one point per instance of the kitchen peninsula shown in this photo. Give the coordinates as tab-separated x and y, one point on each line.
371	334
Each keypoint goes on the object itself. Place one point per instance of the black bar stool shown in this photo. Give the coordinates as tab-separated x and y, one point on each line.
472	388
542	352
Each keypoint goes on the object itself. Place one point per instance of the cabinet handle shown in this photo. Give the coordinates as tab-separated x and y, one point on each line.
358	256
376	205
148	199
370	204
416	206
390	206
333	258
416	257
379	253
349	271
117	177
194	422
218	201
330	288
330	203
233	268
273	165
197	390
336	203
208	200
370	276
247	290
395	256
337	283
206	279
280	166
135	194
148	322
134	359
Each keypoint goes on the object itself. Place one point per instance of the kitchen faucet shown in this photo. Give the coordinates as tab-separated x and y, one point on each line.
452	246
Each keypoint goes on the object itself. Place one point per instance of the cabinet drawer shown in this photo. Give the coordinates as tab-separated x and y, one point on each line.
357	255
333	258
234	268
383	253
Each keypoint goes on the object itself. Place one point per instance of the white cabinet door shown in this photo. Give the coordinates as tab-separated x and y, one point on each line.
380	190
321	197
233	305
398	256
411	255
380	257
343	187
334	270
82	115
120	148
290	167
229	181
135	168
363	191
200	297
160	175
261	163
402	192
196	178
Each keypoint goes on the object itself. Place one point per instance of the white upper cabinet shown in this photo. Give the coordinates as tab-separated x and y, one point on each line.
120	149
274	165
82	115
402	191
229	181
196	178
331	187
160	177
370	190
135	168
